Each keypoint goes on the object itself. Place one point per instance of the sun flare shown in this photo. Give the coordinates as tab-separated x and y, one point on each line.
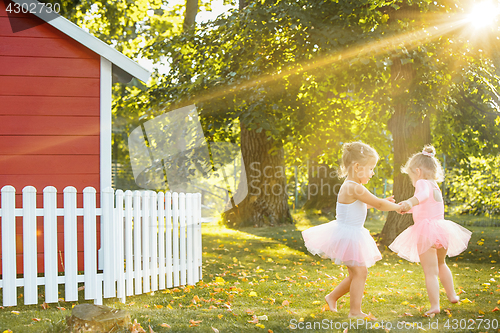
483	14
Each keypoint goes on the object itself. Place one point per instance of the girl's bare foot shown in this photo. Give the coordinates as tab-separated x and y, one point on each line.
454	299
432	311
332	303
358	315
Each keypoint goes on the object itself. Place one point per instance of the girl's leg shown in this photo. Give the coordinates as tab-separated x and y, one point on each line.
446	277
339	291
429	263
358	276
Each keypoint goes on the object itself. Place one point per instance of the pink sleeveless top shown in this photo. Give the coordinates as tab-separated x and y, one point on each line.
428	207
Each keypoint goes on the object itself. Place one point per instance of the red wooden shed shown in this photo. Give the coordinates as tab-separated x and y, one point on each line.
55	104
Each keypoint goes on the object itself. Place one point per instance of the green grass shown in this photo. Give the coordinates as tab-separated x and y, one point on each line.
267	271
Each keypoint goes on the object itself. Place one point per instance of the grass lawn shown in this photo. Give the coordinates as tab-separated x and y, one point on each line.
264	280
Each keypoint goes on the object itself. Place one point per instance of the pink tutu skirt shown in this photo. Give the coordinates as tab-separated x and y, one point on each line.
344	244
425	234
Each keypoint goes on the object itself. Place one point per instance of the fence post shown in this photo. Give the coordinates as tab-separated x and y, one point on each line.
50	243
108	246
189	234
119	249
70	245
182	236
145	241
9	268
168	237
153	240
175	237
195	225
129	259
137	243
29	246
200	245
161	240
90	244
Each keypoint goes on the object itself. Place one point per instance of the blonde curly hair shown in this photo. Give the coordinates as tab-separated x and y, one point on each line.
355	152
427	162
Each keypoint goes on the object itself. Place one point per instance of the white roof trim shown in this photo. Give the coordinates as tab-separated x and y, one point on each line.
91	42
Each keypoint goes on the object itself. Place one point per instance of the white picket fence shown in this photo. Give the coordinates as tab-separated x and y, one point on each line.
149	241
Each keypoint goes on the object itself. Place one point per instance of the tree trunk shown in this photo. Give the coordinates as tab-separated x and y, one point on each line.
190	16
263	182
323	187
410	132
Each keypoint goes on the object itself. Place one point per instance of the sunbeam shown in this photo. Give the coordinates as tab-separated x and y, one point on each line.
407	40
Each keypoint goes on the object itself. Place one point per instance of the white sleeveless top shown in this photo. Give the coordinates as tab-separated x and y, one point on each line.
353	214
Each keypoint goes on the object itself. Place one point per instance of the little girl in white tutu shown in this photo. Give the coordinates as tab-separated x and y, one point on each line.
431	237
345	240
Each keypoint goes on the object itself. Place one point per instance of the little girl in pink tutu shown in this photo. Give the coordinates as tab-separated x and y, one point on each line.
345	240
431	237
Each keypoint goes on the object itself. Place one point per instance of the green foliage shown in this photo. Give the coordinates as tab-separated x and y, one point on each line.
127	25
476	190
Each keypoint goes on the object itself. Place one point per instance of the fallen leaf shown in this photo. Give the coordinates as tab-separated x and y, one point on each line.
252	294
165	325
61	308
15	312
260	326
285	303
137	328
215	330
370	316
150	329
495	309
193	323
44	306
249	312
35	319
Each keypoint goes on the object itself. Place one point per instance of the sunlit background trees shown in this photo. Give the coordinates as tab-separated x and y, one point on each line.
290	81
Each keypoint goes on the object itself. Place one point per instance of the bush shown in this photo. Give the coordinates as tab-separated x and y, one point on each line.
475	190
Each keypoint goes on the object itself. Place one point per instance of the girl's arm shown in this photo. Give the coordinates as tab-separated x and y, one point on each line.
391	199
421	194
362	194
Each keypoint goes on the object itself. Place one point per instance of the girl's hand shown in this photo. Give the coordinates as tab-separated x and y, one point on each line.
399	210
391	199
405	206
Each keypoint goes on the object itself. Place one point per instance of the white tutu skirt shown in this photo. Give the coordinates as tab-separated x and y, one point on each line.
428	233
344	244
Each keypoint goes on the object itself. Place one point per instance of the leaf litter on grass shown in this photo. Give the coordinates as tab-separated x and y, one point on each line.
262	279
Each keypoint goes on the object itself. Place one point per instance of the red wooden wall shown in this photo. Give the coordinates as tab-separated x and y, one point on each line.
49	115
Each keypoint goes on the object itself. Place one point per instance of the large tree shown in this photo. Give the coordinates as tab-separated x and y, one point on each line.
431	86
